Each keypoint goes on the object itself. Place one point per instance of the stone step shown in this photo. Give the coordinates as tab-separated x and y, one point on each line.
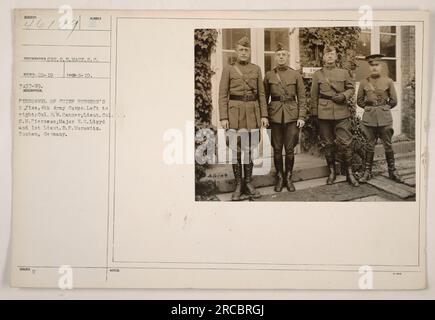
219	177
300	185
398	189
402	147
306	167
409	156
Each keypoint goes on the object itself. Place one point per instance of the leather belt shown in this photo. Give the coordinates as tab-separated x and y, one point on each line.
283	98
243	98
377	103
324	96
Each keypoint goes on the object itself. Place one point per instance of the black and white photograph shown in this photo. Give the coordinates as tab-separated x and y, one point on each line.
220	150
305	114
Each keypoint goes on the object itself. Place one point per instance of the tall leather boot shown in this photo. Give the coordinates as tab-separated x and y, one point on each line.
237	170
249	188
368	164
348	163
330	161
289	163
392	171
279	179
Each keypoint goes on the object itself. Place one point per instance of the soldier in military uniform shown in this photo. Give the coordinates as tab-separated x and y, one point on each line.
242	111
330	90
287	112
376	95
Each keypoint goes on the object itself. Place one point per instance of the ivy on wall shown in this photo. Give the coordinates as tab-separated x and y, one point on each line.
313	40
205	44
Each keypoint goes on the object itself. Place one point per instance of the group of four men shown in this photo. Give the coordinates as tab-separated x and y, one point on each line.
247	103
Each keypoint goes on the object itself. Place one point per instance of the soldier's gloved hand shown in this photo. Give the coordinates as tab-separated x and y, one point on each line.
264	122
339	98
300	123
225	124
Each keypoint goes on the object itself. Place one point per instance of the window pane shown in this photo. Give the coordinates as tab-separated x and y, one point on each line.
275	35
362	70
228	57
388	45
363	47
389	68
268	62
391	29
231	36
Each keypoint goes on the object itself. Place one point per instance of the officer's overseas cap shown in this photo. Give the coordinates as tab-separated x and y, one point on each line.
374	58
328	48
280	47
244	42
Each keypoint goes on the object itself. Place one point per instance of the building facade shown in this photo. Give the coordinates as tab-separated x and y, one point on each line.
397	43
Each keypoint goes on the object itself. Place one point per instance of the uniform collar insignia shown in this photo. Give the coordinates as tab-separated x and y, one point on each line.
329	67
281	68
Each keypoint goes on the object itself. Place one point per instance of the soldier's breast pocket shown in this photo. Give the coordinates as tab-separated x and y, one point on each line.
252	79
339	85
324	86
290	86
236	81
274	87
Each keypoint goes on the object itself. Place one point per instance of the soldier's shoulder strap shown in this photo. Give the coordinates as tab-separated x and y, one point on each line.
244	80
280	82
322	72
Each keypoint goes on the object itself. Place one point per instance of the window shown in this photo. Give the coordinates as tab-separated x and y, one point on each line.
388	39
271	39
363	49
377	40
229	43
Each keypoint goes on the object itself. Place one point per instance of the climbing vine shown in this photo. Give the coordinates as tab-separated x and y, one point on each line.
205	44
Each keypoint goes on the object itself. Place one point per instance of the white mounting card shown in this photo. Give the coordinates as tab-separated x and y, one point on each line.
106	107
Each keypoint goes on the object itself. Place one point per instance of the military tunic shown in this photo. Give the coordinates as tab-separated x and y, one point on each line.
286	91
326	83
241	96
334	122
377	95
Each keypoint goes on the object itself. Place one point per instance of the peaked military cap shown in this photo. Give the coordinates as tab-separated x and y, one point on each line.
280	47
374	58
244	42
328	48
